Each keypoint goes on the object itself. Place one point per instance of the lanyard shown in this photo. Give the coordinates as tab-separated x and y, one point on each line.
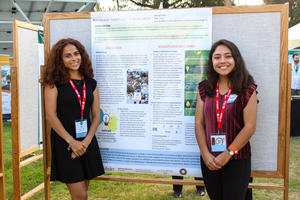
82	104
296	67
220	115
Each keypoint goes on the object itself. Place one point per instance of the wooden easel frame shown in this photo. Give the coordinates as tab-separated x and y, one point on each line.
15	116
284	104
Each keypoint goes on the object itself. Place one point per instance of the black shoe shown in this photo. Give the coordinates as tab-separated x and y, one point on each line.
177	194
200	191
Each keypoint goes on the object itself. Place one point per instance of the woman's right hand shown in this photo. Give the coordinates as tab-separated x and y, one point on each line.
77	147
209	160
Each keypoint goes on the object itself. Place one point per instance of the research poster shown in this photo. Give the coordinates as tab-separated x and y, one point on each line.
41	63
147	65
5	83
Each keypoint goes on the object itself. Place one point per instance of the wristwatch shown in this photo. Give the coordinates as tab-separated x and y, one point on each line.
230	151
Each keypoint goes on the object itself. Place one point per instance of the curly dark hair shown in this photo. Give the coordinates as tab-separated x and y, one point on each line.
239	77
56	73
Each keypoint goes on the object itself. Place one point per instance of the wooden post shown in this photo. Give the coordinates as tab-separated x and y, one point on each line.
46	143
15	128
287	138
46	127
15	134
284	59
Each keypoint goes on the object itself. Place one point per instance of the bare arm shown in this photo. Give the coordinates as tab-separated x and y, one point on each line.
250	115
55	123
201	137
96	118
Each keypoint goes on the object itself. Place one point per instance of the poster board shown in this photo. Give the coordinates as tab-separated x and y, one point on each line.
147	79
253	29
24	91
28	118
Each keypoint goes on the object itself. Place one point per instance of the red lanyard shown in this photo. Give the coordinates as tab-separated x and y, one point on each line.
82	104
220	115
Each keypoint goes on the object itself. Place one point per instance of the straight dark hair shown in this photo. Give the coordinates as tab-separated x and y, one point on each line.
239	77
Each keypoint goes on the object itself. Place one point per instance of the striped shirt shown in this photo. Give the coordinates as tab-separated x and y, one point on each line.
232	122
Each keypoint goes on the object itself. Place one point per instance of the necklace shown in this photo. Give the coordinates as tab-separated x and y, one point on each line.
77	82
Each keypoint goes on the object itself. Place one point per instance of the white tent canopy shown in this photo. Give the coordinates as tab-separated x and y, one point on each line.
294	36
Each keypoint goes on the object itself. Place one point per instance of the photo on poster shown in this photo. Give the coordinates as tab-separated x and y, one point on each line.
195	71
5	77
137	87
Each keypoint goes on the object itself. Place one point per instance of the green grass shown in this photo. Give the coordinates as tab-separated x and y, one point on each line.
32	175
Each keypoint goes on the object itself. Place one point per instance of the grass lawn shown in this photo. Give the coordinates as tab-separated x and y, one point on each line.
32	175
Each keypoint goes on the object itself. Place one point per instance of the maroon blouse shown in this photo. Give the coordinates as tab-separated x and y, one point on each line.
232	122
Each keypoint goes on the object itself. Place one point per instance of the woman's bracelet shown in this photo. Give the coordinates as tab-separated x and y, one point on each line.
233	149
69	141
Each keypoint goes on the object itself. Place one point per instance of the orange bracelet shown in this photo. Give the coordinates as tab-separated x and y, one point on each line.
233	149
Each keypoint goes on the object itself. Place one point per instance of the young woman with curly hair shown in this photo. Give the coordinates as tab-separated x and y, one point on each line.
225	120
71	95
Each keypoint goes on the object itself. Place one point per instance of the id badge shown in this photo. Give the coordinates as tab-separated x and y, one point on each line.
232	98
81	128
218	143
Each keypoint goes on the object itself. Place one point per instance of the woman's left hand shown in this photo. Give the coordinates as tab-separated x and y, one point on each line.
83	143
223	158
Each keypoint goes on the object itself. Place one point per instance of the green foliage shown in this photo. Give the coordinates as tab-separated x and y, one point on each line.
154	4
294	9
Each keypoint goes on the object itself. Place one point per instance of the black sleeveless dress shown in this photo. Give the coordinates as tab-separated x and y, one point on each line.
63	167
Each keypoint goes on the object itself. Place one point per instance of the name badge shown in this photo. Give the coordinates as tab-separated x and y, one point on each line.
218	143
232	98
81	128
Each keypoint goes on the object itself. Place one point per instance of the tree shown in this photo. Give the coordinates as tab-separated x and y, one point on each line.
294	9
154	4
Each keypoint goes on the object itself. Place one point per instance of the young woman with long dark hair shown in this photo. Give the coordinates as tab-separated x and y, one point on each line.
71	95
225	120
